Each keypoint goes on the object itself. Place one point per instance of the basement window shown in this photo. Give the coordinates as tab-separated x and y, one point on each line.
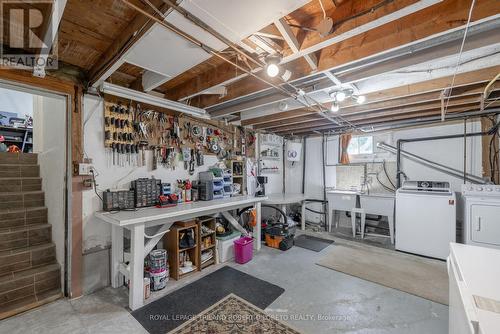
360	145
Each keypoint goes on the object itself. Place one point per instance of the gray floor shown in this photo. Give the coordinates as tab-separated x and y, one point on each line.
316	300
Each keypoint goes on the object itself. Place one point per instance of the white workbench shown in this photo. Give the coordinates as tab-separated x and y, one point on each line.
138	221
284	199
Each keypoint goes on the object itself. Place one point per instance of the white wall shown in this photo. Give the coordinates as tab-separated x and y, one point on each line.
49	120
16	101
96	234
448	152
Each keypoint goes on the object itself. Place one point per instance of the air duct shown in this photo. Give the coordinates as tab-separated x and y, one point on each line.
433	165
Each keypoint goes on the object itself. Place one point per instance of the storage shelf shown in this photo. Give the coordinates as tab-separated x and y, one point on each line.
185	249
208	248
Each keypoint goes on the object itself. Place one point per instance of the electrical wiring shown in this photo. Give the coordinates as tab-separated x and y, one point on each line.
322	8
460	54
95	185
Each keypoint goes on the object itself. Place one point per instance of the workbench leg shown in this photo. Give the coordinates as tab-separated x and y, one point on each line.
303	216
258	227
116	255
136	288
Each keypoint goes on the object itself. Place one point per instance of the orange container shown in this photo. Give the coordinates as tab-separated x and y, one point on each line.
273	240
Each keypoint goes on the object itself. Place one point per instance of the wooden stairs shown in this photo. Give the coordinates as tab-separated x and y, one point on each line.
29	273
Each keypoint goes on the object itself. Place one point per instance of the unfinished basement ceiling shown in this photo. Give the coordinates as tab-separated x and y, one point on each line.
168	55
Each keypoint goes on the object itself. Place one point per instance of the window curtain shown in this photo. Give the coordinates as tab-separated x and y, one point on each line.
345	139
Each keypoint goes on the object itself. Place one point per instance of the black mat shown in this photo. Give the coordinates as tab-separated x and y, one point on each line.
169	312
312	243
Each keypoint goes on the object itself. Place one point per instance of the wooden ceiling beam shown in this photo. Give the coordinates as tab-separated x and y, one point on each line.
464	82
444	16
292	41
459	102
387	119
299	68
419	102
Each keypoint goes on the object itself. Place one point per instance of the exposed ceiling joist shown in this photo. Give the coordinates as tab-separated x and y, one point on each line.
382	40
353	117
50	36
378	16
292	41
411	92
369	122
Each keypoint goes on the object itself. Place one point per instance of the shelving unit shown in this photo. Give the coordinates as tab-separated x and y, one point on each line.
207	241
238	168
177	255
21	137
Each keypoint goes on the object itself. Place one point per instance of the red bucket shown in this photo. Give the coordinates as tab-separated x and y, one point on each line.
243	250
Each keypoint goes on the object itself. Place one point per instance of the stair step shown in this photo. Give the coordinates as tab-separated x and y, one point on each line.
22	170
29	282
25	258
18	158
24	236
27	303
26	199
19	184
17	217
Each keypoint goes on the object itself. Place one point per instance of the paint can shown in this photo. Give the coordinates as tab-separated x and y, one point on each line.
157	260
158	279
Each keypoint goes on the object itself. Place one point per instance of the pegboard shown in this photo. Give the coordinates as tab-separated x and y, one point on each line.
138	127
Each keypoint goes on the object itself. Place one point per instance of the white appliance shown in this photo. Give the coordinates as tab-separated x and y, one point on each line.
482	215
425	218
474	290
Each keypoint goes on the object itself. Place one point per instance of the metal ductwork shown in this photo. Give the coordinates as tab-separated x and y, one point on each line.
433	165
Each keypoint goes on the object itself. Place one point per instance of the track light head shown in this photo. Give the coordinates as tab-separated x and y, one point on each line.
340	96
359	98
334	107
272	70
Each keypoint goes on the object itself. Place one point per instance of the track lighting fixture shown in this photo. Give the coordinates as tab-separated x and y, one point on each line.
359	98
340	96
273	68
334	107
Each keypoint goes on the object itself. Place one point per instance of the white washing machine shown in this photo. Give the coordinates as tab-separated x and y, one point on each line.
426	214
482	215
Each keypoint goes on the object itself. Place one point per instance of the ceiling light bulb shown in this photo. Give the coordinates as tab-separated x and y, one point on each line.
272	70
340	96
361	99
334	107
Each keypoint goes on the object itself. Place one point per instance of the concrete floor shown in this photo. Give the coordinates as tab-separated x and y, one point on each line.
337	303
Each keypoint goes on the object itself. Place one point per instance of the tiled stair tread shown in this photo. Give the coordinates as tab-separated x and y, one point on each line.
10	164
14	178
26	249
24	210
28	303
22	192
30	272
24	228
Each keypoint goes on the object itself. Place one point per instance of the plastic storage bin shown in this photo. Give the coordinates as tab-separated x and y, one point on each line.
243	250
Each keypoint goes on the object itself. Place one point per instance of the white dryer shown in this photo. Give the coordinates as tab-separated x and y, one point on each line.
425	218
482	215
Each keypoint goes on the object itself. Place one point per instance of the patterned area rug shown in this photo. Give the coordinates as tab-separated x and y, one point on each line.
236	316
